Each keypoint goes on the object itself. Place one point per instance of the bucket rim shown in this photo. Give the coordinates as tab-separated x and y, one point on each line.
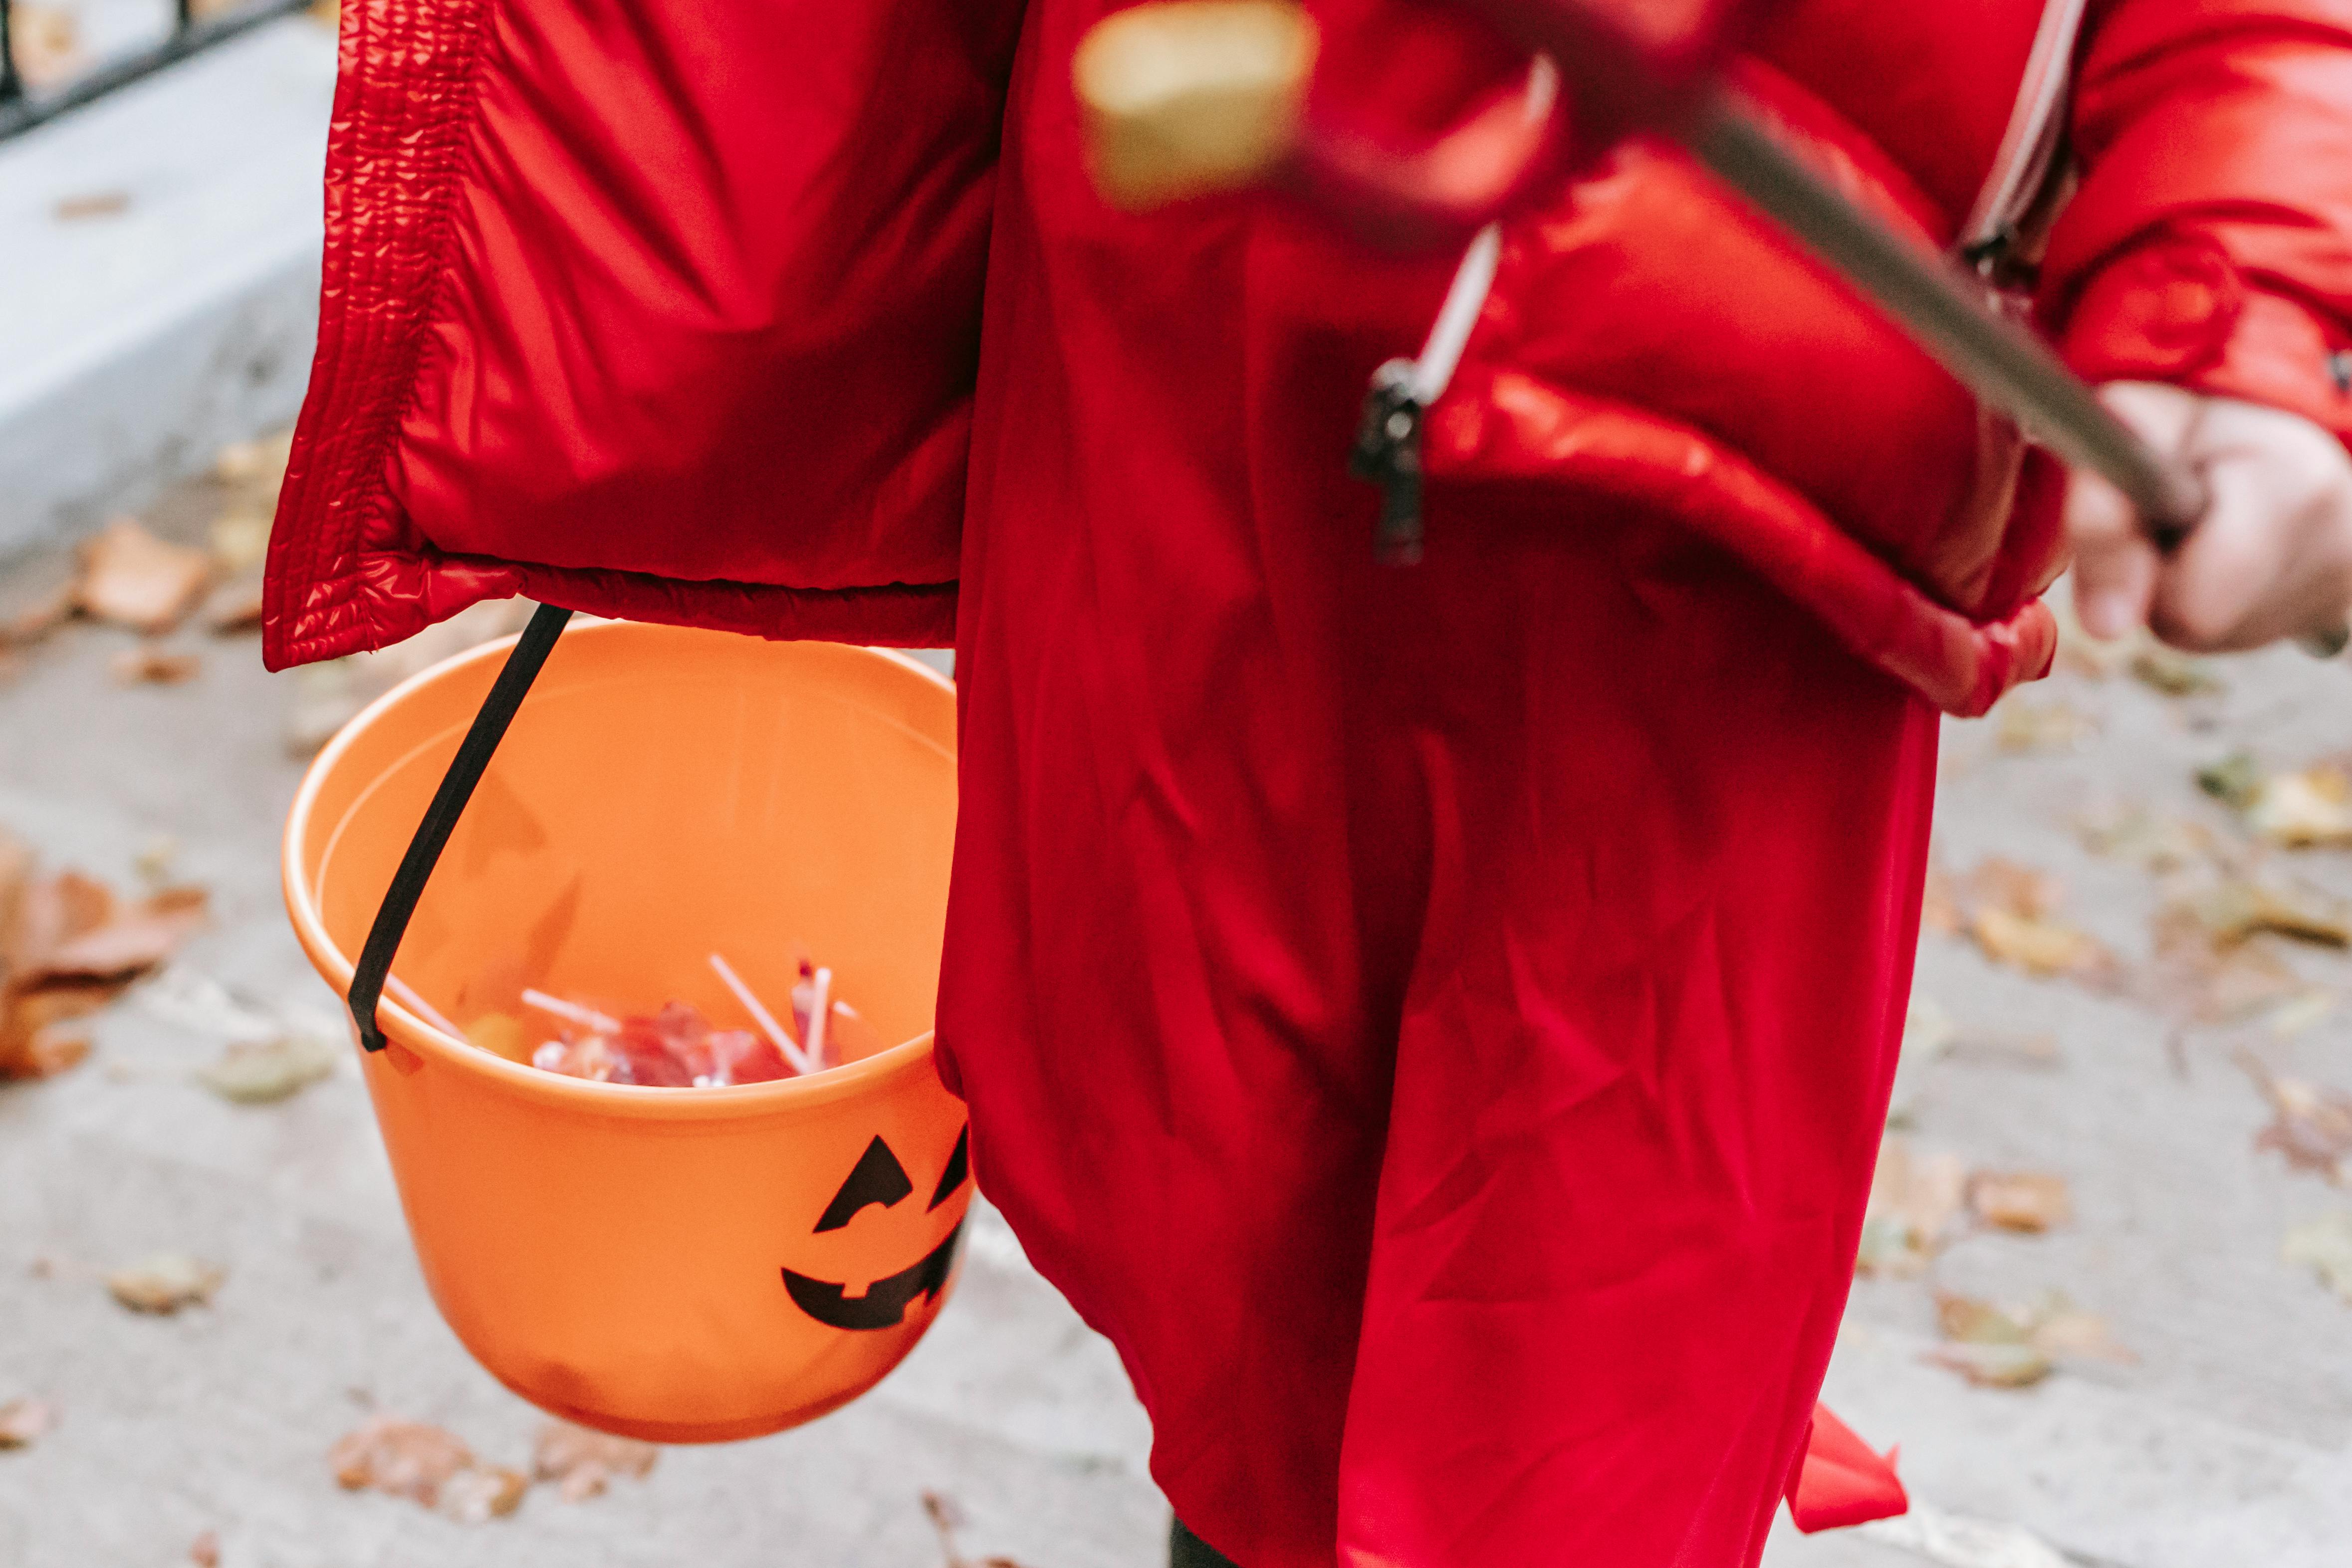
404	1028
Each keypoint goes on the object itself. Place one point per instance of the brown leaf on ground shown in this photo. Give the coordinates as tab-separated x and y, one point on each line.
164	1283
2014	888
2172	672
258	465
236	605
2236	780
946	1519
1994	1365
87	204
2237	909
148	665
2311	1124
485	1492
47	42
2324	1246
34	616
261	1071
2022	724
2066	1333
24	1422
66	947
240	540
1939	905
2027	1201
205	1550
75	929
2138	836
2010	911
2306	809
2214	976
1914	1198
405	1459
2309	809
131	577
2014	1347
2046	948
581	1462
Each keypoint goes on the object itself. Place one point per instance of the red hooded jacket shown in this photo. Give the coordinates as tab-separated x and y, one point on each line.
1436	1021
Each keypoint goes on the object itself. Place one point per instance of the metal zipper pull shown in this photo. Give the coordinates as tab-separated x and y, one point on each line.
1387	438
1388	453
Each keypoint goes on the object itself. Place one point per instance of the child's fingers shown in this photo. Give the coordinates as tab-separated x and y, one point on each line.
2114	566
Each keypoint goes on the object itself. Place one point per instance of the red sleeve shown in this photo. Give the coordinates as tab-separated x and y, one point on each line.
2211	242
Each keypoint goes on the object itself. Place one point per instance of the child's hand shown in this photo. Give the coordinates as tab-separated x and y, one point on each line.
2272	557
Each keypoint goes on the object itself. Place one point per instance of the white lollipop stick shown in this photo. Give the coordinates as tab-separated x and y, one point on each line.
820	1007
586	1017
405	995
802	1061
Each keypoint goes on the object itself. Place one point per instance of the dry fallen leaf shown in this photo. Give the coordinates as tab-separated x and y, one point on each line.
2236	909
2304	810
946	1519
2015	1347
258	463
149	665
482	1493
2136	836
405	1459
1999	882
2214	977
67	945
24	1422
2311	1124
46	41
90	204
236	605
2043	948
1913	1199
2027	1201
581	1461
133	578
1994	1365
2170	671
259	1072
2011	914
164	1283
2236	780
2020	725
240	540
2325	1246
30	617
205	1550
1939	905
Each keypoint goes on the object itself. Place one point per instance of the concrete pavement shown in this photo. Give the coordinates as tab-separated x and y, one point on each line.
2223	1446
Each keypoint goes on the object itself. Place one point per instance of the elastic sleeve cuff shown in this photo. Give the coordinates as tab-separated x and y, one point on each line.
2178	309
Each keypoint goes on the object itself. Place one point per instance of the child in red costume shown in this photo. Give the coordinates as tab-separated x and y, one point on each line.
1435	1020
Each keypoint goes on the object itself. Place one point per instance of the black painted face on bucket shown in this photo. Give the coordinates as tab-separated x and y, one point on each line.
879	1178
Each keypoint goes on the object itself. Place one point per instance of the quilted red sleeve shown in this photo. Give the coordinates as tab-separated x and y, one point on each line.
2211	242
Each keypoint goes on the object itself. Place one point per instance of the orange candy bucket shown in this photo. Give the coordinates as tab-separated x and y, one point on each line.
682	1265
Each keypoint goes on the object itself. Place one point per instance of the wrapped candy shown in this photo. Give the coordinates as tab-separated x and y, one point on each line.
679	1047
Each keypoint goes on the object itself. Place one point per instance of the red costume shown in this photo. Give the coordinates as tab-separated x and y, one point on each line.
1435	1020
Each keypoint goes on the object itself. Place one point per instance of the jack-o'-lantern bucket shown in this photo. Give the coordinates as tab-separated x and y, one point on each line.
678	1264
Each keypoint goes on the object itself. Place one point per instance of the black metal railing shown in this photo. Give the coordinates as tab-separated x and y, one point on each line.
22	109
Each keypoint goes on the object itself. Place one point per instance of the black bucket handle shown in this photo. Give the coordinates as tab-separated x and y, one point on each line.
489	728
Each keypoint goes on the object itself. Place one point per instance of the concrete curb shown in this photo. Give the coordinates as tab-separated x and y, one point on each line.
178	311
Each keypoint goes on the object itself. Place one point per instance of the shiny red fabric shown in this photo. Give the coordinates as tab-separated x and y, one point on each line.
662	313
1843	1481
1436	1022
